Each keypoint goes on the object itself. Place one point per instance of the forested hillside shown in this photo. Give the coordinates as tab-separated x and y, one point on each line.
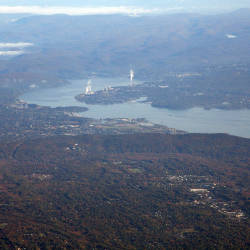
125	192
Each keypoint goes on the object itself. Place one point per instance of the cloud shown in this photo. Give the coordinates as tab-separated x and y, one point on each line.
19	45
15	45
230	36
11	53
81	10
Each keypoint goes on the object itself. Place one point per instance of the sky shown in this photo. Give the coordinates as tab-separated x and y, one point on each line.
77	7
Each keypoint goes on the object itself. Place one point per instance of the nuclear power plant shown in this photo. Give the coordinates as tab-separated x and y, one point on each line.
110	95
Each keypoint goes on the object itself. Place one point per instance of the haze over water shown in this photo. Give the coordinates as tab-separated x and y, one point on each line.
198	120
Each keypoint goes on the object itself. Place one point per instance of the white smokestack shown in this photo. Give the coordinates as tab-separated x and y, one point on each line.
132	74
88	90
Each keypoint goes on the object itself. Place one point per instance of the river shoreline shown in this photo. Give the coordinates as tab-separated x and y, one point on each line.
197	120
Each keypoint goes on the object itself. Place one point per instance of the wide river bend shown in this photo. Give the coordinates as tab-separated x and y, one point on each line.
198	120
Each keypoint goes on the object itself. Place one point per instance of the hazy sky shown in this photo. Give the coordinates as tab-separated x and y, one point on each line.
166	5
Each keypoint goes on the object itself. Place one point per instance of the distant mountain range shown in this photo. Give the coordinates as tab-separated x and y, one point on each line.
73	46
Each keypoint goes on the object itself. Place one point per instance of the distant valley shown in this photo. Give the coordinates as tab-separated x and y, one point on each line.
72	181
72	47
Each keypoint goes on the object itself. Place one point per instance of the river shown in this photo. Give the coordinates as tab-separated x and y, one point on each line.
198	120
